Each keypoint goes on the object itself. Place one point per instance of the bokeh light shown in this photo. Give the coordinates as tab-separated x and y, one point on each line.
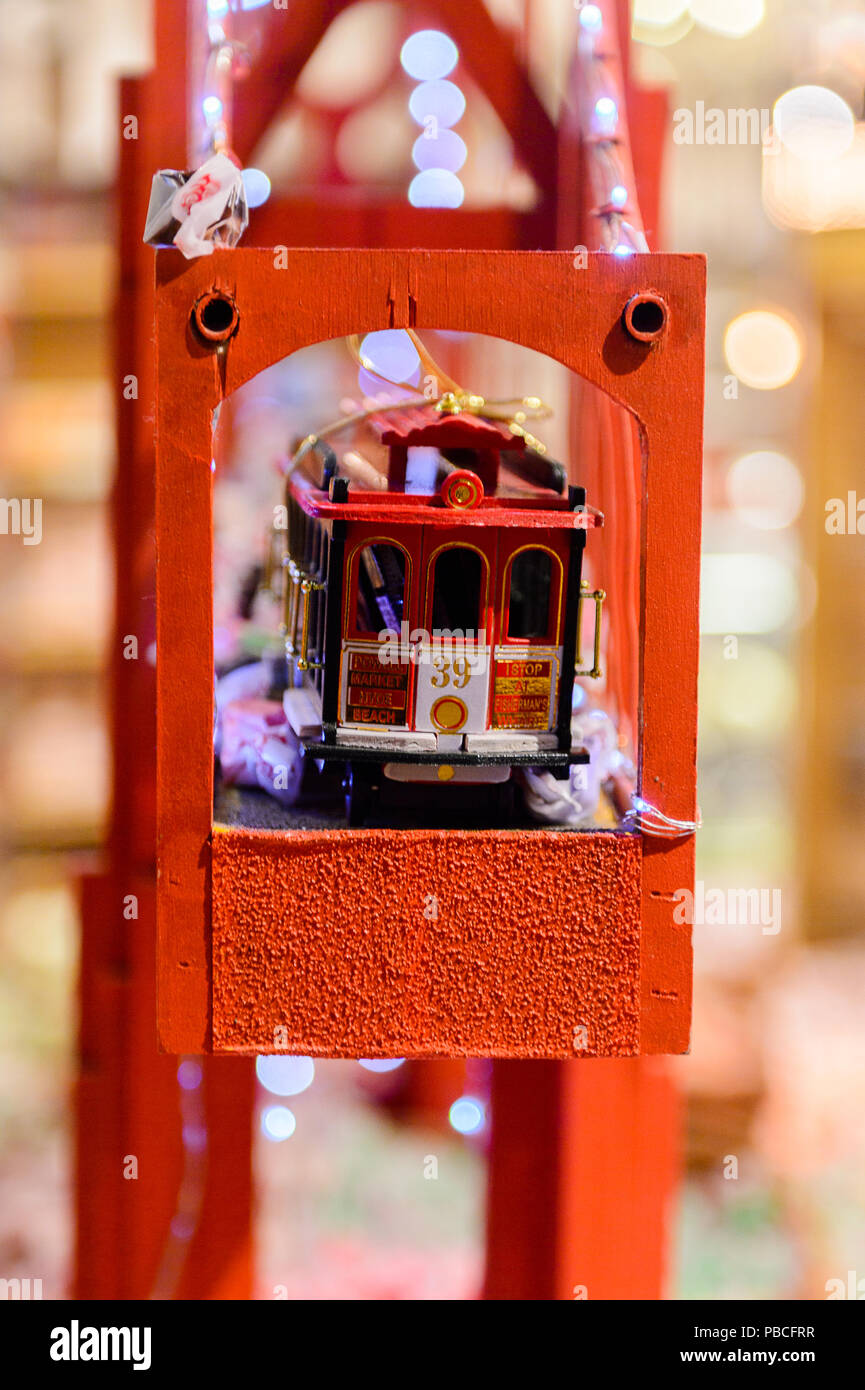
390	353
381	1064
256	186
746	592
765	488
467	1115
189	1075
763	348
662	35
753	697
660	12
444	150
440	103
732	18
435	188
591	19
428	55
813	123
815	195
606	115
194	1138
277	1123
285	1076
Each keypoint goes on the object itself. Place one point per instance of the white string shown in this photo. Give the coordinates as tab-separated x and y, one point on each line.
636	237
554	802
652	821
214	104
604	131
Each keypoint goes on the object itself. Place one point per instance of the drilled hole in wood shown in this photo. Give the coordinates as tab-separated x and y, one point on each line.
645	317
215	317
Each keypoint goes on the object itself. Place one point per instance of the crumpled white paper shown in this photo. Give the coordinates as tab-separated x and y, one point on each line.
210	202
574	801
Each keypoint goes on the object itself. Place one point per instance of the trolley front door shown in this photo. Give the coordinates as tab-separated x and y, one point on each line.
453	662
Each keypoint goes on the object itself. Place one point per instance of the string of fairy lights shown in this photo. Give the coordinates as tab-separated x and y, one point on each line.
227	60
604	132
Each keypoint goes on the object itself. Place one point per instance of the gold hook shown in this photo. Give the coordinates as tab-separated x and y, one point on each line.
597	596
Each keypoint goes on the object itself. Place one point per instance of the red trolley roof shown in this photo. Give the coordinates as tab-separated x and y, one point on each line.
429	427
520	502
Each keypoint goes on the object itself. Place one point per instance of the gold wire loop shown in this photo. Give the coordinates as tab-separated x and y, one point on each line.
307	587
452	399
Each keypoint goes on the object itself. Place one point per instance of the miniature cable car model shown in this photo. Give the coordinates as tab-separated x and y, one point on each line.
430	612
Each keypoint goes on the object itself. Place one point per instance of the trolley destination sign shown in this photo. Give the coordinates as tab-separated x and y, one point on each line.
376	694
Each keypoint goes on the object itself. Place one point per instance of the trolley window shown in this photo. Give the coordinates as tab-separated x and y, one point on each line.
457	589
530	596
380	588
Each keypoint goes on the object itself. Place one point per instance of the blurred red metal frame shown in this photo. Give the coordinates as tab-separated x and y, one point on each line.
553	1187
127	1094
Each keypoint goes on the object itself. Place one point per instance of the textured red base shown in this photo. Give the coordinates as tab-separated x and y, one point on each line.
426	943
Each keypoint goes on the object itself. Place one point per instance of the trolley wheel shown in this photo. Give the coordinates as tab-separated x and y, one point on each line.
359	784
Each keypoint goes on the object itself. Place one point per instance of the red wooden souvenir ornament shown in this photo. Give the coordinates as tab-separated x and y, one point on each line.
545	944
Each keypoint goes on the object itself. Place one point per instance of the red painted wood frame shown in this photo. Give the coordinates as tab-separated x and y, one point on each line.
542	300
127	1095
